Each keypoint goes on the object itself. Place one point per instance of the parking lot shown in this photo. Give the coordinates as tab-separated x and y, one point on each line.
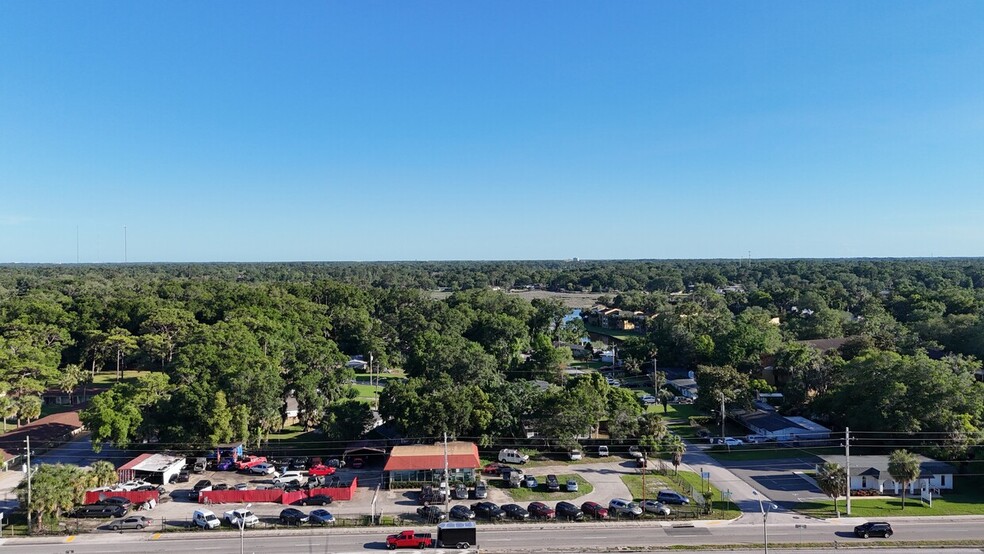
781	480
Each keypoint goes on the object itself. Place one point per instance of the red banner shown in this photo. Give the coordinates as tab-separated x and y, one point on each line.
137	497
240	497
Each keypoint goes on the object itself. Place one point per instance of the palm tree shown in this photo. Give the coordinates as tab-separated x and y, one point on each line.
28	407
676	447
7	409
832	480
55	489
903	466
102	473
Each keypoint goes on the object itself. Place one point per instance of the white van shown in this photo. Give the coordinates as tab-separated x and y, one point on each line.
603	451
512	456
205	519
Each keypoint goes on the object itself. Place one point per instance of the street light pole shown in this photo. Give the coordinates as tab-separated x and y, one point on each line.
242	529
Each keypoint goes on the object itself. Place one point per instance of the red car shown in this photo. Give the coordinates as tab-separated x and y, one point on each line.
321	469
250	461
595	510
539	510
492	469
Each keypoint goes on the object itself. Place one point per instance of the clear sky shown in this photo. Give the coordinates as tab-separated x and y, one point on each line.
410	130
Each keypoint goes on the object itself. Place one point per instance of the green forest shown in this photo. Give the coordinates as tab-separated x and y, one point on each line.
221	346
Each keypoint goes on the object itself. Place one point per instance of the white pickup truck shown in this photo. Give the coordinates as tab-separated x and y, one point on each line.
233	517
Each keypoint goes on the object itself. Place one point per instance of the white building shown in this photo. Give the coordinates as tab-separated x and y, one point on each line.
871	473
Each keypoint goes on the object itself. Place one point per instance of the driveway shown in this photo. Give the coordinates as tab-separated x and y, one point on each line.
780	479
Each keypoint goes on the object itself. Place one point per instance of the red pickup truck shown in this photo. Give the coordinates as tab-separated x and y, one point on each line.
409	539
250	461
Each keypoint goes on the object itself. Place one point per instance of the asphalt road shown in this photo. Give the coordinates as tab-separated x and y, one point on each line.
499	538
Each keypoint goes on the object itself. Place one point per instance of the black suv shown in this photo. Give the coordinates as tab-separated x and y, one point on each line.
99	510
488	510
866	530
553	485
566	510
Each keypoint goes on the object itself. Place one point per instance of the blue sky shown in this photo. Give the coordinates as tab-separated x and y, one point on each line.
270	131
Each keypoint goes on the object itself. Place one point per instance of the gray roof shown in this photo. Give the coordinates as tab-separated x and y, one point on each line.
770	421
877	466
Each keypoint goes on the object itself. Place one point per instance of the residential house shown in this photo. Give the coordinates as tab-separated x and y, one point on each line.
781	428
871	473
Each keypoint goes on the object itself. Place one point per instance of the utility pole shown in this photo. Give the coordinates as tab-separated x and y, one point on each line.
446	485
847	455
721	394
28	440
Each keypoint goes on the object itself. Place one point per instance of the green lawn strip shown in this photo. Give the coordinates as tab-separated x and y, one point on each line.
108	377
655	482
589	365
967	499
767	451
366	392
294	441
615	333
541	492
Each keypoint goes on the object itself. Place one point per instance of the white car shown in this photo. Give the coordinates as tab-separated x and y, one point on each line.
636	452
655	507
132	485
289	477
614	382
574	455
233	517
730	441
263	469
648	399
205	519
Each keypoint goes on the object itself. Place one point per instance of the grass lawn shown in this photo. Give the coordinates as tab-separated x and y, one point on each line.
968	499
108	377
294	440
654	482
614	333
367	393
541	492
589	365
768	451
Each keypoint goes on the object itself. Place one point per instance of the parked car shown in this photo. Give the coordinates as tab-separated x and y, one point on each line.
530	482
481	490
220	487
247	462
515	511
335	463
704	433
132	522
263	469
317	500
431	514
566	510
571	485
292	486
115	501
241	515
200	465
602	451
460	492
240	486
595	510
636	452
225	464
553	485
289	477
203	485
648	399
757	439
132	485
539	510
873	528
667	496
181	477
299	463
488	510
321	517
512	456
293	516
730	441
461	513
655	507
205	519
574	455
429	494
624	508
98	510
494	468
321	469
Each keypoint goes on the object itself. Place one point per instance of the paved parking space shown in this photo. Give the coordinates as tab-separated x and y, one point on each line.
779	479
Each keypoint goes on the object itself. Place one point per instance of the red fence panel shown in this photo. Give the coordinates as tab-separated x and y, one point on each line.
137	497
239	497
337	493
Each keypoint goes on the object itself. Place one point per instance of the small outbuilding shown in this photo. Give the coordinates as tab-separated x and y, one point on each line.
424	463
153	468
